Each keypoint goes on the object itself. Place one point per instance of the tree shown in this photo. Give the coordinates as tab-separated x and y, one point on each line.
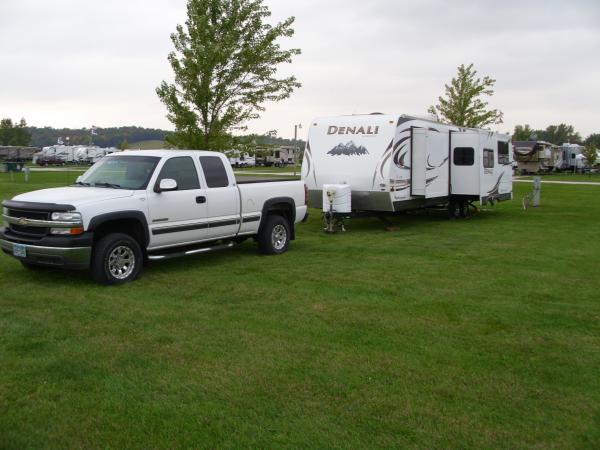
14	134
590	154
559	134
124	145
524	133
225	65
462	105
593	139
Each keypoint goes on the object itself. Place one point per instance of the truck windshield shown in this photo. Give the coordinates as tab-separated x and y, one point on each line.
121	172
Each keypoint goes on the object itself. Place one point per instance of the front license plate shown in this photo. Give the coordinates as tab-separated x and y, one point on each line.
20	250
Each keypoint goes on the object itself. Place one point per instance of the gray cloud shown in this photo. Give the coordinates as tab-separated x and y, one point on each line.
74	63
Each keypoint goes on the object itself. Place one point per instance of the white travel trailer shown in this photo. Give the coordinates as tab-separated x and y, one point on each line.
240	159
571	157
92	154
396	162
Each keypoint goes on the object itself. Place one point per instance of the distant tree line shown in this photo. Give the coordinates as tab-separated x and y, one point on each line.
121	137
14	133
104	137
555	134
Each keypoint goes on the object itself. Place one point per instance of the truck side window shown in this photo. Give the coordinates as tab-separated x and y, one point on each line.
182	170
503	152
214	171
464	156
488	158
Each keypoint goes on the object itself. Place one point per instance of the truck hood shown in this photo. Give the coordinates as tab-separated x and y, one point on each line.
73	195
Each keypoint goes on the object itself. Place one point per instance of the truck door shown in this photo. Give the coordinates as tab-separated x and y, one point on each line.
465	163
222	197
180	216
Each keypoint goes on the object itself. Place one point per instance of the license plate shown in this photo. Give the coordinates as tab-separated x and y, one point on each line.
20	250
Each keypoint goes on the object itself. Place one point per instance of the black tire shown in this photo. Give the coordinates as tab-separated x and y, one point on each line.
32	266
129	259
269	244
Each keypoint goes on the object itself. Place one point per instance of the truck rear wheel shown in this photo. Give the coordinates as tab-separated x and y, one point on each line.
117	259
274	238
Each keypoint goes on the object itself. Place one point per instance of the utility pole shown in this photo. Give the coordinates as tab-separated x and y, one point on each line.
296	128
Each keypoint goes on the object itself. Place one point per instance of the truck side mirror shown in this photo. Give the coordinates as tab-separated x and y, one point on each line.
166	184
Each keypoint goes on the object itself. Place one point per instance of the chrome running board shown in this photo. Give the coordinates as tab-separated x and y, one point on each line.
190	252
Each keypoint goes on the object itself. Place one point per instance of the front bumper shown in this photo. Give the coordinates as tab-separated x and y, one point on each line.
56	252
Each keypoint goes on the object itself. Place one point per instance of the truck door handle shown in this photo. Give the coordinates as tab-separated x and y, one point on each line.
201	199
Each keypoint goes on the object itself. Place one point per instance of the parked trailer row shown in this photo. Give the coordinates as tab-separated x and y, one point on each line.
67	154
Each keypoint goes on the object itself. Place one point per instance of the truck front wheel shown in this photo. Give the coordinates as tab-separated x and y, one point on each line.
117	259
274	238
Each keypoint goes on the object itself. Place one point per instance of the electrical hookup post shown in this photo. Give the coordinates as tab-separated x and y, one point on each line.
537	187
535	196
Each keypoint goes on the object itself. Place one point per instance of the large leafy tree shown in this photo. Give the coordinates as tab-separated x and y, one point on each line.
463	105
560	134
590	154
225	64
14	134
593	139
524	133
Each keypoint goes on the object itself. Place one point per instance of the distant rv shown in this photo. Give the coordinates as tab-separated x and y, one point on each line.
70	154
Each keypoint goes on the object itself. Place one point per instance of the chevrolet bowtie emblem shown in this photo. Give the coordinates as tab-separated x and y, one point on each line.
22	221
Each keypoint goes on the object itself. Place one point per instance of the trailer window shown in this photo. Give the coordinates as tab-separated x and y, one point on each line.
464	156
214	171
488	158
182	170
503	153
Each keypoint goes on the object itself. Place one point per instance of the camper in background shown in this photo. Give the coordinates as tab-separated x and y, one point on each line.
534	157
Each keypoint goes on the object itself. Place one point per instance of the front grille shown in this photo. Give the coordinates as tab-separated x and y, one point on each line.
38	215
26	230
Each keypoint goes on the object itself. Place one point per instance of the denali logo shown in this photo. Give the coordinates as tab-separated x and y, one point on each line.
352	130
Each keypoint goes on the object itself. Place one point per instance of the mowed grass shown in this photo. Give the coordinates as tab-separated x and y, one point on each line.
565	176
479	333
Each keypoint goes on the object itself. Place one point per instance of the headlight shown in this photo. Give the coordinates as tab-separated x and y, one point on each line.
73	217
66	216
66	231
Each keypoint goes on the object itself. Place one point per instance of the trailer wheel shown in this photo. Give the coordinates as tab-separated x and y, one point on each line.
117	259
274	238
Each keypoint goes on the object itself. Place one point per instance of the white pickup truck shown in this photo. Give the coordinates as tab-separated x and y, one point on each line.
136	206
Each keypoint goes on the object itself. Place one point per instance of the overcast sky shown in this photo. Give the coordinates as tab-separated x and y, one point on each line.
76	63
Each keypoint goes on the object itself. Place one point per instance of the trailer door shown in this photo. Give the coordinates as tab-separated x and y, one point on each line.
418	161
464	163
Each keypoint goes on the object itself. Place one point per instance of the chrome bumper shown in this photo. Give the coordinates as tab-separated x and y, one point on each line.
75	257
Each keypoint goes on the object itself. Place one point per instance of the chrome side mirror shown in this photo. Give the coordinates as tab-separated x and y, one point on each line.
167	184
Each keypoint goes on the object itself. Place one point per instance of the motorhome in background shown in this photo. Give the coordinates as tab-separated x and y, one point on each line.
536	156
397	162
238	158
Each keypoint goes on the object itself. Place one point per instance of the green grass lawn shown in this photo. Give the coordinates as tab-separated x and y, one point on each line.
595	177
479	333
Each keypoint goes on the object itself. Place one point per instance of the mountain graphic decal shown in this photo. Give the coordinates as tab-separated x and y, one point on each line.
348	149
